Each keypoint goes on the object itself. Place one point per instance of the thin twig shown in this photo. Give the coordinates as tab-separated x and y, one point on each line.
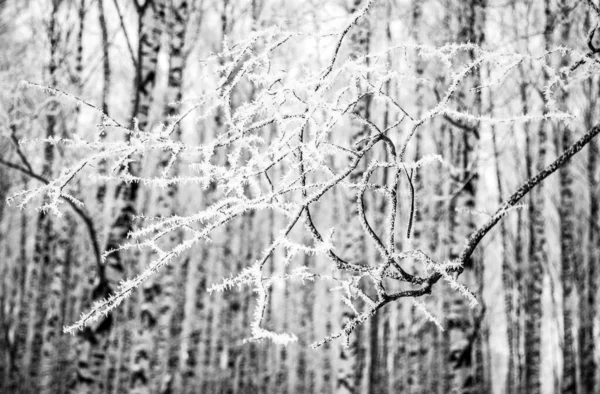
127	40
87	220
412	202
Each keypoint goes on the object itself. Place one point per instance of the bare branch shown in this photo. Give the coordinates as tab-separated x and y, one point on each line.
476	237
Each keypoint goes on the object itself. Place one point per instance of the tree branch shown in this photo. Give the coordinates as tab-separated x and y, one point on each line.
476	237
127	40
87	220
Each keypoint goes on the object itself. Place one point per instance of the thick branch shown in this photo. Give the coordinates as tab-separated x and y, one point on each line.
476	237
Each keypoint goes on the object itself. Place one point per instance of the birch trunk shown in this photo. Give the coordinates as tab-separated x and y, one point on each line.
349	373
463	324
570	256
538	257
152	19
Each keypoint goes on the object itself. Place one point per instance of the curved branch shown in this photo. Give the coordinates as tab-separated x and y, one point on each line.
355	17
411	216
87	220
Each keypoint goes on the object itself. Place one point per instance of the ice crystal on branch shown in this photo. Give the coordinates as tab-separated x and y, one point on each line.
296	123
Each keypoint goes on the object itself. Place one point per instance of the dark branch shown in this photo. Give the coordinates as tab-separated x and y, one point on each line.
87	220
476	237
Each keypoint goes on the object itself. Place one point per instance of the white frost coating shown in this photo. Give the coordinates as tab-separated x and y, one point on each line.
423	309
296	122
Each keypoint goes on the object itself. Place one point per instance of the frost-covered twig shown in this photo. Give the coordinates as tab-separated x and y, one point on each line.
296	126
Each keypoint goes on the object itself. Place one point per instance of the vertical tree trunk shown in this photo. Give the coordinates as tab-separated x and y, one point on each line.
21	325
418	338
466	373
106	81
54	346
43	259
54	343
389	344
513	274
152	19
538	256
508	277
177	18
569	259
570	256
587	280
533	289
349	373
8	297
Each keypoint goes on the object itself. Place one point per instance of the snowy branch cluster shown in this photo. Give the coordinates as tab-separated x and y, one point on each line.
296	121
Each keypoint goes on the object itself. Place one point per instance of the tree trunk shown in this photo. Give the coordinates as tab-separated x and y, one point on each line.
152	20
463	326
537	258
177	18
106	81
570	257
587	280
350	368
43	260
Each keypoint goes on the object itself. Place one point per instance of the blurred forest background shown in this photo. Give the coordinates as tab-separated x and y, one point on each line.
537	327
